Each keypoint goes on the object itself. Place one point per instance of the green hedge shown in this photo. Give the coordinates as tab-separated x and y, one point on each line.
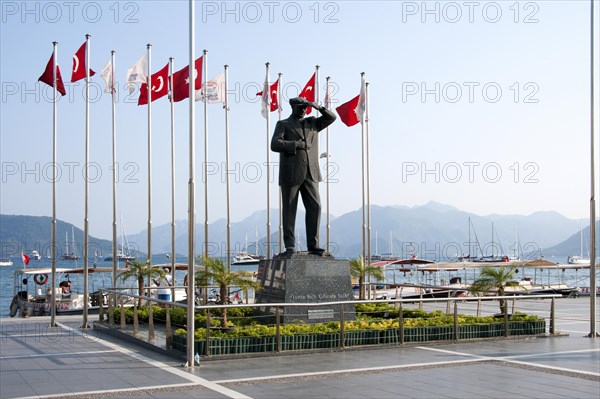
179	315
224	345
376	323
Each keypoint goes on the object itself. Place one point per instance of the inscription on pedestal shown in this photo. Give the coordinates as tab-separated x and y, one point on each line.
320	314
304	278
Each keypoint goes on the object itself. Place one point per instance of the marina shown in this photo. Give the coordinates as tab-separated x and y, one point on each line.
403	279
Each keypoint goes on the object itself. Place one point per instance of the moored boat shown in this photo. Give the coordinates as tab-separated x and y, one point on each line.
123	253
577	260
5	262
245	259
526	286
33	292
70	254
120	256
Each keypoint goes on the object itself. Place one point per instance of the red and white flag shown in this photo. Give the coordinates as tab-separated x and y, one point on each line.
274	94
361	106
347	112
160	86
25	259
271	100
78	71
181	81
48	77
308	92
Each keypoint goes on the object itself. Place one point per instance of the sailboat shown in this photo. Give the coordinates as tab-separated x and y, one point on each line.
376	256
579	259
500	257
122	249
471	257
389	255
517	248
493	258
243	258
72	254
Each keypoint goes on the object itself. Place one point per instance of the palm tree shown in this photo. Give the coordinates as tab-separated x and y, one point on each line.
139	270
494	279
216	272
359	270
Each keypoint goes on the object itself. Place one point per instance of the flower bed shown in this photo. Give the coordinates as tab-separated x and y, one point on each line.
267	343
376	324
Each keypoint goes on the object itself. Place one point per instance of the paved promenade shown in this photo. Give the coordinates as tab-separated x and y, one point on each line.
38	361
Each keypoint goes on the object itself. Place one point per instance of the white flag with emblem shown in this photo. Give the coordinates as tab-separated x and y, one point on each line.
215	90
107	75
137	73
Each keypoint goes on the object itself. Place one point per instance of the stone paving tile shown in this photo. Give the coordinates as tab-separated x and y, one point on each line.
113	370
446	382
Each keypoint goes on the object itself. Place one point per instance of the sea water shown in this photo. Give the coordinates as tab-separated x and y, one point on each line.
96	280
568	276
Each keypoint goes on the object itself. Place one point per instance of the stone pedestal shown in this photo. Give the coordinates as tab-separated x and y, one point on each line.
305	278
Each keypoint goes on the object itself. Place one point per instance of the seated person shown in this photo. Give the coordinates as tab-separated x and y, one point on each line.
65	287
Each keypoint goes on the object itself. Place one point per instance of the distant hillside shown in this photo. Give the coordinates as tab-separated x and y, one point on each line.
27	233
441	232
575	244
243	235
432	231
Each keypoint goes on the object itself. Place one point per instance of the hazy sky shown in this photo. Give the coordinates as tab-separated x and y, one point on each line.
480	105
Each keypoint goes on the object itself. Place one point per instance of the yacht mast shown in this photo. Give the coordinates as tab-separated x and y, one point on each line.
73	238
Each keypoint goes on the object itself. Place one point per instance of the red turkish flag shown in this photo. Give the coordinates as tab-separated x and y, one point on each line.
309	92
25	258
347	112
160	86
181	81
78	71
48	77
273	96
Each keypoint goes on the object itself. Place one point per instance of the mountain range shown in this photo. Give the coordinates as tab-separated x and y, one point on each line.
27	233
431	231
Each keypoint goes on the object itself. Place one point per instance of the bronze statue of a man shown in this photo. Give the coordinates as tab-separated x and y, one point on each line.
296	141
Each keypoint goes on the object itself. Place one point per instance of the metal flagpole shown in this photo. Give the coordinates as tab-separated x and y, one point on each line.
54	177
172	70
593	310
328	228
280	108
226	107
149	85
362	169
205	154
191	194
86	184
114	171
268	164
368	175
316	89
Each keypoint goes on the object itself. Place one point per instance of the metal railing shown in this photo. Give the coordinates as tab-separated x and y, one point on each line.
475	305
